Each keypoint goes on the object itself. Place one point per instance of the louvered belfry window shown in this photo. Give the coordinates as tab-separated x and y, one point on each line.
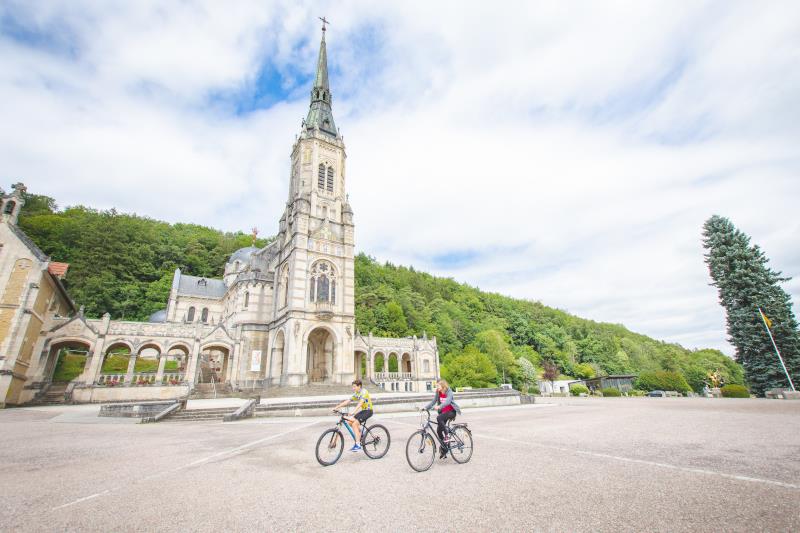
330	179
321	180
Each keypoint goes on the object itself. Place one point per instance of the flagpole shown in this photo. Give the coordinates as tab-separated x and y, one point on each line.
764	319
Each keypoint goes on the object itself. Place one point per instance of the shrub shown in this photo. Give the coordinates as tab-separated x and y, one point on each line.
735	391
610	391
533	389
578	389
636	392
662	380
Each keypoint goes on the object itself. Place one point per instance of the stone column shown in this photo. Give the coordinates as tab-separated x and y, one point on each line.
191	366
436	361
233	363
95	366
415	370
162	361
131	365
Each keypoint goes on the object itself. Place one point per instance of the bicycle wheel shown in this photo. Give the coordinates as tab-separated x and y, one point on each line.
329	447
375	440
420	450
461	445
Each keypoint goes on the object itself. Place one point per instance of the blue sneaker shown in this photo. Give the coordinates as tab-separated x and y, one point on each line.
356	448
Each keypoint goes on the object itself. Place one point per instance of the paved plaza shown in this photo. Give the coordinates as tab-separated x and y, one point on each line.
583	464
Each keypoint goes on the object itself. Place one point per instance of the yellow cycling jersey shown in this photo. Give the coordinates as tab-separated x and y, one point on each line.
363	395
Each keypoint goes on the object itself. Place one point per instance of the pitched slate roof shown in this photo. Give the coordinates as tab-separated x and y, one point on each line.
202	287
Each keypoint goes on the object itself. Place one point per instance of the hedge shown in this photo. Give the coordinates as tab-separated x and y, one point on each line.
735	391
610	391
578	389
662	380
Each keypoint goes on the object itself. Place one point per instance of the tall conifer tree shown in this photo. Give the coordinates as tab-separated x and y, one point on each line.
739	270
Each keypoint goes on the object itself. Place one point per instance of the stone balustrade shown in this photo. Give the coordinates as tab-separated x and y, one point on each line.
394	376
119	379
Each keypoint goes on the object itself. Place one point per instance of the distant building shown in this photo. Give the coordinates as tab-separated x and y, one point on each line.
559	386
621	382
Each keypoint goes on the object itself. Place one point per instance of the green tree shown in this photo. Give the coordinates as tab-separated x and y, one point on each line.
470	369
584	371
527	372
492	343
745	282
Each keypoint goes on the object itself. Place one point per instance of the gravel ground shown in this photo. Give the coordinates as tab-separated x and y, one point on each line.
584	464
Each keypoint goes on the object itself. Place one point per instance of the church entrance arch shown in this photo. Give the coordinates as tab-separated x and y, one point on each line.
213	367
320	355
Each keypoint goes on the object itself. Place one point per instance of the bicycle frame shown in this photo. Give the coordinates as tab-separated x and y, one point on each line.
343	422
428	427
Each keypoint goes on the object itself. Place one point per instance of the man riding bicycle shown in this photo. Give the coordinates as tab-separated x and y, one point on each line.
361	413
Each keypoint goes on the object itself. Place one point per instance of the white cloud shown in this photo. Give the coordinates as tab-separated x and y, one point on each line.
574	149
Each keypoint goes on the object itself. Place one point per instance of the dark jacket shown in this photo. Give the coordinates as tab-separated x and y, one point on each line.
448	400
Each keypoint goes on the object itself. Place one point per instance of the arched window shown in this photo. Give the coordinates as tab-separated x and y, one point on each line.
246	299
204	315
330	179
190	315
321	177
323	282
11	205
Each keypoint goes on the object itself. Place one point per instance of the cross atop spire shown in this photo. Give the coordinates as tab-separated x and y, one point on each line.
320	114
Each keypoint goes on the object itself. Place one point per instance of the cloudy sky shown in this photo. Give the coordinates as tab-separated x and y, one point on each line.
566	152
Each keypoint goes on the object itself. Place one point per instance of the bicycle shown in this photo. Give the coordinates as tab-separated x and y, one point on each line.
421	445
375	441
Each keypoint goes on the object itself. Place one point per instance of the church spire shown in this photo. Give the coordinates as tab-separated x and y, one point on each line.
320	114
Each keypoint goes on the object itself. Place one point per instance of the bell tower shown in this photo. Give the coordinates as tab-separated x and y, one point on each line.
315	276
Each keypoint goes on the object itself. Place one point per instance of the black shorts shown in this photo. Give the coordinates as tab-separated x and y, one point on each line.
362	416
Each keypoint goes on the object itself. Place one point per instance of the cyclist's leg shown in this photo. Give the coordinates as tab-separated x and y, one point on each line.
360	418
351	422
442	420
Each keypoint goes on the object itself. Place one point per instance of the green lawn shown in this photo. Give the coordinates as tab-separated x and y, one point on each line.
119	364
115	364
69	367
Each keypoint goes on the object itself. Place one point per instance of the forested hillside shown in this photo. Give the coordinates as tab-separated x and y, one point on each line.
123	264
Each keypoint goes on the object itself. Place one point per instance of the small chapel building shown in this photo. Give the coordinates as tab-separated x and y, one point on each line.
281	316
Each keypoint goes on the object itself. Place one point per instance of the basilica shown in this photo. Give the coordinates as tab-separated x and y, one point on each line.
281	316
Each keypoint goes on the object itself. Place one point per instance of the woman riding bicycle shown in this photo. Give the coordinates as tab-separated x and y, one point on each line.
443	396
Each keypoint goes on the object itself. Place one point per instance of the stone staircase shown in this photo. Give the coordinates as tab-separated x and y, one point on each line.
53	396
197	415
204	391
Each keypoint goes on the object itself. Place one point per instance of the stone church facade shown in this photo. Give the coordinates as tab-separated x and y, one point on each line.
282	315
